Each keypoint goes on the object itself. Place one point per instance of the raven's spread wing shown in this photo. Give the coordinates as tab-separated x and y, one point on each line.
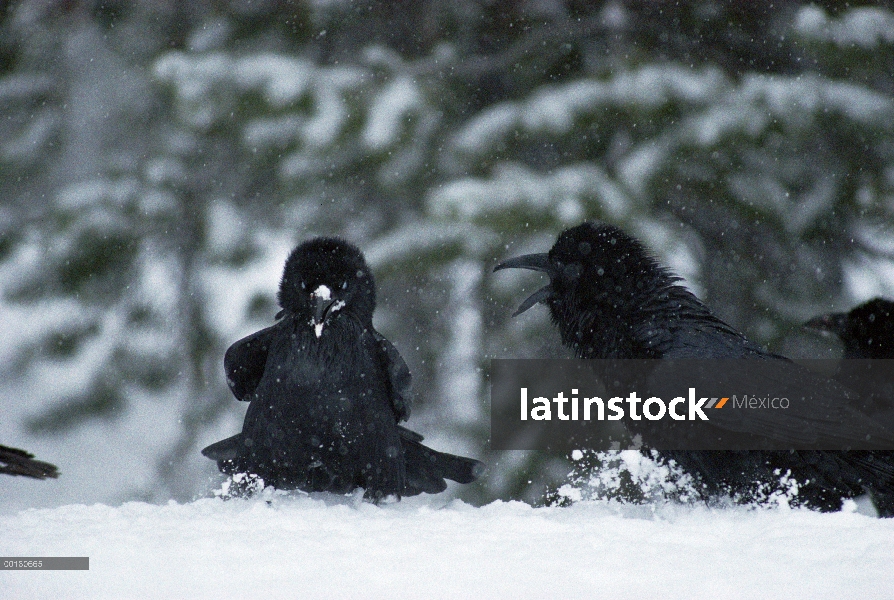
245	360
18	462
399	378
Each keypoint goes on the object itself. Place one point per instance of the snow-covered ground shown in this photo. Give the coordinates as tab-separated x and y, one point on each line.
328	547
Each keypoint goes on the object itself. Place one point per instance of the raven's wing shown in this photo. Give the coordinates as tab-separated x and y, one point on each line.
820	411
399	378
689	338
245	360
409	435
18	462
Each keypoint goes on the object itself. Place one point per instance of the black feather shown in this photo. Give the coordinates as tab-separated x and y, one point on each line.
19	462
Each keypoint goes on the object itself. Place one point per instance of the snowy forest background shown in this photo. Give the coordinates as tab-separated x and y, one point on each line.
158	160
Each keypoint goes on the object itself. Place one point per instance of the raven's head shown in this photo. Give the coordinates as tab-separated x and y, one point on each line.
867	331
591	265
325	278
603	288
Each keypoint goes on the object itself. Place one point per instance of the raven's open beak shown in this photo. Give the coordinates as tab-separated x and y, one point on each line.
831	323
534	262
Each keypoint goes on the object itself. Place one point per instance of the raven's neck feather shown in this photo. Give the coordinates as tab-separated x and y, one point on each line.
641	319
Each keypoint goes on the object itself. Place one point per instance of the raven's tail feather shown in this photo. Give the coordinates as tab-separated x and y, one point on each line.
18	462
426	469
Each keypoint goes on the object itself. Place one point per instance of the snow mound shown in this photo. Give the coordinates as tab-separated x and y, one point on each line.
308	547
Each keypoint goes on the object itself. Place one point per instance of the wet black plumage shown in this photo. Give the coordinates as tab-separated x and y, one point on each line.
610	298
19	462
327	391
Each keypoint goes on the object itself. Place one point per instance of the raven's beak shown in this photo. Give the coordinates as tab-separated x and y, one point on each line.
537	297
534	262
831	323
322	308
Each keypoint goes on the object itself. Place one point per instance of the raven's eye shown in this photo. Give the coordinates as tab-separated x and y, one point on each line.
302	285
344	286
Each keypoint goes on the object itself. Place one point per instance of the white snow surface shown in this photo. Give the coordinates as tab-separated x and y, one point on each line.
335	547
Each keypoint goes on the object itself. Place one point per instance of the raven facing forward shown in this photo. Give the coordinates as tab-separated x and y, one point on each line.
610	298
327	391
18	462
867	331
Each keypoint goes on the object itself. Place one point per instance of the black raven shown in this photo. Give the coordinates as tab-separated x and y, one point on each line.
327	391
610	298
867	331
18	462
